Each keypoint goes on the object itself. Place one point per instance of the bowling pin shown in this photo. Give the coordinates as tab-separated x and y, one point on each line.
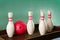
46	25
10	25
30	24
42	27
49	22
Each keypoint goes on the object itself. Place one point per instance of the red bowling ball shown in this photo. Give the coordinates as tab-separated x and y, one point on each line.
20	27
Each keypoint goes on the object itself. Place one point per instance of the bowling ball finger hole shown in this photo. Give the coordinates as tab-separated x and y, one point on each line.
20	27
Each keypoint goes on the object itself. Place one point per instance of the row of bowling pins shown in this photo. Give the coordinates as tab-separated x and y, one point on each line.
30	25
43	25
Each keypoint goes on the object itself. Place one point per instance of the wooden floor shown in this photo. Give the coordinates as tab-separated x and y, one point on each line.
36	36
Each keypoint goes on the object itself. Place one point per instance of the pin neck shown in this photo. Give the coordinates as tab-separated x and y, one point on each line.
10	19
49	16
42	17
30	17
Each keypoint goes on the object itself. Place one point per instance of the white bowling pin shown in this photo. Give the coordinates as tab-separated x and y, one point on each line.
10	25
42	27
30	24
46	26
49	22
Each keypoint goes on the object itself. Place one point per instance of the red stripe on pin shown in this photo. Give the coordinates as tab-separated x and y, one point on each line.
10	19
49	15
42	17
30	17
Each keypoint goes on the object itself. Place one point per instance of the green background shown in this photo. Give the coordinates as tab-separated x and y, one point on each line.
20	10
